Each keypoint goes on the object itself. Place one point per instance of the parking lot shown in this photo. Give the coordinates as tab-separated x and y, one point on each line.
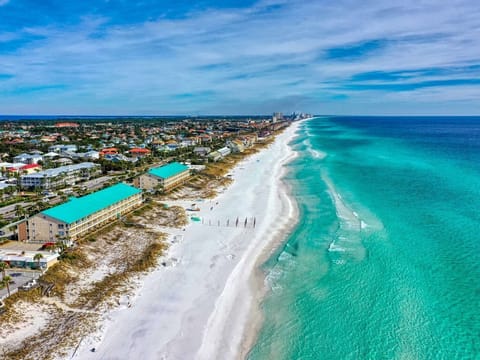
19	278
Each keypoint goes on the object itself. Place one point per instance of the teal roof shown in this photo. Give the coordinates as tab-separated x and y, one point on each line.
168	170
78	208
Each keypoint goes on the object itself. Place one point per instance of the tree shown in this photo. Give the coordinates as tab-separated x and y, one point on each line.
60	246
6	282
3	266
19	211
13	228
37	258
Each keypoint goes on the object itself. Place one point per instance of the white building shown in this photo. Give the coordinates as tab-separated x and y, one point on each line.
224	151
51	155
57	177
63	148
28	159
91	155
202	151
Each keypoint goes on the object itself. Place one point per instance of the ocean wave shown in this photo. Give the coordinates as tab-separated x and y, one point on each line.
316	154
348	234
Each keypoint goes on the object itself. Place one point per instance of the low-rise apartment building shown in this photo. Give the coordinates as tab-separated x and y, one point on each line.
80	216
61	176
165	177
236	146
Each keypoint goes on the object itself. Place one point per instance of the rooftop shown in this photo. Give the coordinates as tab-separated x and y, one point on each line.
16	255
140	150
168	170
78	208
30	166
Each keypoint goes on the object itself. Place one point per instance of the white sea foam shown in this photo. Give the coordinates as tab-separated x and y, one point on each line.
272	278
284	256
316	154
349	231
336	248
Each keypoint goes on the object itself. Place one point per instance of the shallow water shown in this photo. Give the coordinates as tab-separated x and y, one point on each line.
385	260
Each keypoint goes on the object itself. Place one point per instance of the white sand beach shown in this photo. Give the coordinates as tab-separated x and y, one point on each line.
199	306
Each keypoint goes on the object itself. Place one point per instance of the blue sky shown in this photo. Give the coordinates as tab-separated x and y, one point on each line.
239	57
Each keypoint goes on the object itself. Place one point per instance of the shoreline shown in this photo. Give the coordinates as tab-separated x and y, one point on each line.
190	310
246	310
258	276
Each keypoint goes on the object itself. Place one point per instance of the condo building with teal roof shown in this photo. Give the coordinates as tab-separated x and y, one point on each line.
79	216
164	177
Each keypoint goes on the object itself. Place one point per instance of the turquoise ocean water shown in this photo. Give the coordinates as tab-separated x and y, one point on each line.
385	260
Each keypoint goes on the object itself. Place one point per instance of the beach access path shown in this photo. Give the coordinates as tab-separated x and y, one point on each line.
199	306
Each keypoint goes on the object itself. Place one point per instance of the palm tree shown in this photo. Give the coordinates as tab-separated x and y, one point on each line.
19	211
37	258
3	266
5	282
13	229
60	246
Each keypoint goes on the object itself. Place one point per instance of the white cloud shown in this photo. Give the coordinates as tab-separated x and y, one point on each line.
258	57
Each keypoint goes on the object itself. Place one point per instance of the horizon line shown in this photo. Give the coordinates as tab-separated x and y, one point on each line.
229	115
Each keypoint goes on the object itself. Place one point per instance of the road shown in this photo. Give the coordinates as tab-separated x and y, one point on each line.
10	208
95	183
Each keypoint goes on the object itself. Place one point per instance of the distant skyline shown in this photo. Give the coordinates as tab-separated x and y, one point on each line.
123	57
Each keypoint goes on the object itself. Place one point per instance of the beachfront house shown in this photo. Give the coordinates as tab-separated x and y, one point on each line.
224	151
236	146
201	151
215	156
165	177
79	216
